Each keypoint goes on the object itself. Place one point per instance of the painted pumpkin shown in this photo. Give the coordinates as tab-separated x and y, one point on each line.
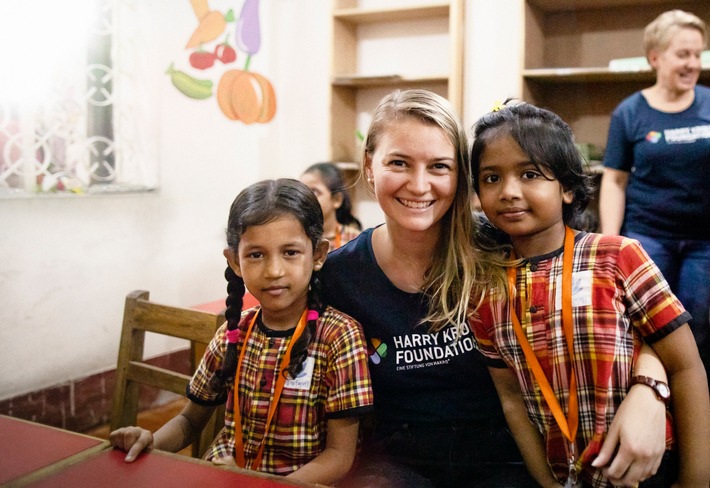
246	96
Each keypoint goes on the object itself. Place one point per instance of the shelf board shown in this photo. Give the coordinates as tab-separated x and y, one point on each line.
347	166
594	168
564	5
586	75
593	75
359	81
392	14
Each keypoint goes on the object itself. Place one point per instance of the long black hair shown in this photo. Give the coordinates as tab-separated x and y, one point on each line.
259	204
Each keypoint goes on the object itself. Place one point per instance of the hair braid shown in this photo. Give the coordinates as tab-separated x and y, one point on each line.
234	302
299	353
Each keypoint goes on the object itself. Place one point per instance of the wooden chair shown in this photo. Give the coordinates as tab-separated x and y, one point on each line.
141	316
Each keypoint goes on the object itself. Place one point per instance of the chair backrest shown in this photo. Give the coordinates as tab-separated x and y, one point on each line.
140	316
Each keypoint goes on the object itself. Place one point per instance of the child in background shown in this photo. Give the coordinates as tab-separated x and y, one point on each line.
577	309
339	224
300	368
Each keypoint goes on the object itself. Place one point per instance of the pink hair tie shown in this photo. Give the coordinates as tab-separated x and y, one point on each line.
233	336
312	315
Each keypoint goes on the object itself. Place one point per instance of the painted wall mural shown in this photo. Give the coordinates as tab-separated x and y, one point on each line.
241	94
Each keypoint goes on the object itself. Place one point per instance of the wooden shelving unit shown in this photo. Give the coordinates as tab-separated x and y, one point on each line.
355	89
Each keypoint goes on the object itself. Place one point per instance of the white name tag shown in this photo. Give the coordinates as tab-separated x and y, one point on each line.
303	380
581	290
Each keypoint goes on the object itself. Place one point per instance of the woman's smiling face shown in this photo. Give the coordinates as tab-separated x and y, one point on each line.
678	65
414	171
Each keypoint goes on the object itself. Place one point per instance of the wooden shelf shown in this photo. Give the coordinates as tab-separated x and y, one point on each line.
347	165
564	5
392	14
359	78
386	80
593	75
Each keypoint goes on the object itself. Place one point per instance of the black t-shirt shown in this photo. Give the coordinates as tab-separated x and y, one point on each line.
417	376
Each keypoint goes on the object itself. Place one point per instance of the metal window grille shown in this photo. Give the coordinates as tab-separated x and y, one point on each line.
81	135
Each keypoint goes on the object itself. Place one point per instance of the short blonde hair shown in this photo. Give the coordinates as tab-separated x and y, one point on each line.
659	32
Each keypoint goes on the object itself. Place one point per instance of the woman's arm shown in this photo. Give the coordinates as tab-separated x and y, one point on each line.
690	404
636	440
528	439
337	458
177	433
612	200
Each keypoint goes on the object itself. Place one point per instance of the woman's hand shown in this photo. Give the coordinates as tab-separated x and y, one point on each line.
134	440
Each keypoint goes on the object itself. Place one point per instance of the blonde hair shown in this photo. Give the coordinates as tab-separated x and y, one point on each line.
659	32
460	273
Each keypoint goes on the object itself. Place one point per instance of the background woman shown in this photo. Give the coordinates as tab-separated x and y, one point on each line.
339	224
657	166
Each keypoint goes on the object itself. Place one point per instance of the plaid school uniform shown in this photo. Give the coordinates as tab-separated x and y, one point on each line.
343	235
335	383
619	299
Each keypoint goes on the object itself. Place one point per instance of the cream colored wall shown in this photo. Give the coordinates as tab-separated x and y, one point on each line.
493	55
67	263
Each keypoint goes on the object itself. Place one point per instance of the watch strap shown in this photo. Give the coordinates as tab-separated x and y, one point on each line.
660	388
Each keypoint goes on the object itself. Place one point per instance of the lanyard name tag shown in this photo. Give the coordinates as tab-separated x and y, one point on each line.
571	484
572	475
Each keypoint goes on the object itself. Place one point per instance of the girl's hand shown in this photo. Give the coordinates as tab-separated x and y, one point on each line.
134	440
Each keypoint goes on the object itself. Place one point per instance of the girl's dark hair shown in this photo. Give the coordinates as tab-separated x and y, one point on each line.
333	179
259	204
546	139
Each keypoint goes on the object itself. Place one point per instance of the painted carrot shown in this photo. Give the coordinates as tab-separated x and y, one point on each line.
200	7
211	26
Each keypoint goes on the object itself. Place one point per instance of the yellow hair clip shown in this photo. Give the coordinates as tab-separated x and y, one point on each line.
497	106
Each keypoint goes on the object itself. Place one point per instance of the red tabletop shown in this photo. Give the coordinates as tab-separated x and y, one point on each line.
26	446
218	305
108	469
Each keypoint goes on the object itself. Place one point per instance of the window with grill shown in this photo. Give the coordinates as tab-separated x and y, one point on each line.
70	102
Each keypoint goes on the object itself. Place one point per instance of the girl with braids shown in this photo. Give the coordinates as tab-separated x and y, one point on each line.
339	224
292	371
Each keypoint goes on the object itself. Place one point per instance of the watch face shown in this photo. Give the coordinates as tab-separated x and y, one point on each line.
663	390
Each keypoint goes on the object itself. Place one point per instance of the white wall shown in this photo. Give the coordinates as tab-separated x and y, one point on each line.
66	264
493	55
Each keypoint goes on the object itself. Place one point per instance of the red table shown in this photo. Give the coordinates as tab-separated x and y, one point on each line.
26	447
218	305
34	455
108	469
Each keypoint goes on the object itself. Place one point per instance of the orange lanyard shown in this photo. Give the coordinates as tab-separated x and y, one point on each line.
568	425
338	232
238	437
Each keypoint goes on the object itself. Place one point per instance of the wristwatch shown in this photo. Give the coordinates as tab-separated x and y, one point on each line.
660	388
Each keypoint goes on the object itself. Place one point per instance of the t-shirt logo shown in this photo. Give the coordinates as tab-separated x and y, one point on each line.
377	350
653	136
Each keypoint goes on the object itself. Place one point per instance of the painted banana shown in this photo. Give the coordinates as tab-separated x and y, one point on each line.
189	86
